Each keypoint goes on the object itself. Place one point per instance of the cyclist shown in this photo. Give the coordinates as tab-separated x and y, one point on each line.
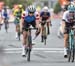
30	19
67	21
1	19
6	17
65	8
45	15
37	15
21	9
17	14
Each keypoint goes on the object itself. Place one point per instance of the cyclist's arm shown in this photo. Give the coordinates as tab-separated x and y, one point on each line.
22	23
64	19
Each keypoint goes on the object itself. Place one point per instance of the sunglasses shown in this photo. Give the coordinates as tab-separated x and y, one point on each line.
31	12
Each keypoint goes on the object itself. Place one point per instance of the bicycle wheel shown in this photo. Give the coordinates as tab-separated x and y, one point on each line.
19	35
42	36
28	55
45	36
73	52
69	55
48	31
6	27
29	48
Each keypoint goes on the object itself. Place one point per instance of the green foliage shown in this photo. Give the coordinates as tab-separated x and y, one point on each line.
10	3
57	8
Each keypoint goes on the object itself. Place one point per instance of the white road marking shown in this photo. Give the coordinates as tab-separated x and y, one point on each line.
46	50
42	49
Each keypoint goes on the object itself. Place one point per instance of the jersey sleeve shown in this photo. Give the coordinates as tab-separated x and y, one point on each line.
64	18
41	13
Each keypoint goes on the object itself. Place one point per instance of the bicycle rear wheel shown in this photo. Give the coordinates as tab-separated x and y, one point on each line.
69	55
73	52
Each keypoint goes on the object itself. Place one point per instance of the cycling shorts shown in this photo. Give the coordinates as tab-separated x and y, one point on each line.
26	25
67	26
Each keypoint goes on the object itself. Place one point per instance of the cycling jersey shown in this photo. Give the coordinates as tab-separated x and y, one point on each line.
37	15
69	21
67	17
5	14
25	13
29	18
45	15
18	13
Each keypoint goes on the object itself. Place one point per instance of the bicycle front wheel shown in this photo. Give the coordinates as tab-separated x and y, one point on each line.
28	55
69	55
45	35
29	47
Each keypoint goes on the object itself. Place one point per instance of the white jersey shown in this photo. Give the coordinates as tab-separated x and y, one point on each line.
25	13
0	14
67	16
37	15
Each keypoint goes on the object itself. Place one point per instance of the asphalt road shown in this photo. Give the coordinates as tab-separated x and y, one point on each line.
41	55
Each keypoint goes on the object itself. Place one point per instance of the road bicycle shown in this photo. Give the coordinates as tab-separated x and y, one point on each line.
71	45
29	43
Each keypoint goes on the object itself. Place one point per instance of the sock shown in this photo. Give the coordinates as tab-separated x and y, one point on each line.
65	51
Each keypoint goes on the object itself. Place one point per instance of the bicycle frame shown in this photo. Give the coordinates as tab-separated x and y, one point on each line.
71	39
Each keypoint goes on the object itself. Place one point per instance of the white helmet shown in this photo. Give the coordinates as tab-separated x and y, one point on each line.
45	9
31	8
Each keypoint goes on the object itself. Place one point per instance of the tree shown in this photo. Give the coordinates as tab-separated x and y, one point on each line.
57	8
10	3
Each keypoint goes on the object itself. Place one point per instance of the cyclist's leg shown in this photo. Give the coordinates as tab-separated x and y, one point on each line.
42	29
16	30
48	26
25	34
24	42
66	36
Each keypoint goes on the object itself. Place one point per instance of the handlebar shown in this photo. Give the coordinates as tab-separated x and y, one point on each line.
32	28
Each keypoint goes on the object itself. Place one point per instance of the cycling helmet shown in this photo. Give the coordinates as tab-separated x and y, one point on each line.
20	6
31	8
45	9
71	8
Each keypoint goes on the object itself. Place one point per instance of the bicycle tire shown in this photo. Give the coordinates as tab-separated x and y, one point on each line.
29	48
45	41
45	36
6	25
28	55
69	55
73	52
42	37
48	30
